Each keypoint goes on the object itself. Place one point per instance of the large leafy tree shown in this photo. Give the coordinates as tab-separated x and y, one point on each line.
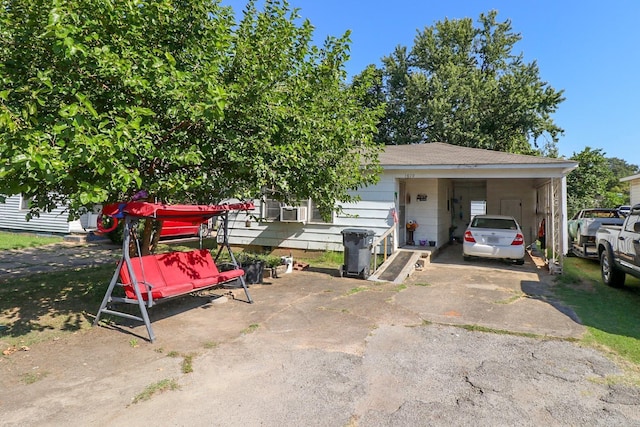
596	181
292	127
587	185
102	98
463	84
618	193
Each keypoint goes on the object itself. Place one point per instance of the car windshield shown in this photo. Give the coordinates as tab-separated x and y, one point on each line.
497	223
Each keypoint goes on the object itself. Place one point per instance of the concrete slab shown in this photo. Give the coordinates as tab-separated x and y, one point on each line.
492	294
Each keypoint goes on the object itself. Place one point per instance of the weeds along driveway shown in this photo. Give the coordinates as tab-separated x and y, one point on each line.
320	350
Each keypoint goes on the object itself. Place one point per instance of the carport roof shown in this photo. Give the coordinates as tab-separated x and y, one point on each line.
441	154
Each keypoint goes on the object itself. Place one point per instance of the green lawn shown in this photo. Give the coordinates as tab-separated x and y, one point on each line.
611	315
24	240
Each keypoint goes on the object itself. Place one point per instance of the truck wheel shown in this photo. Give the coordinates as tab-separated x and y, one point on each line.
611	275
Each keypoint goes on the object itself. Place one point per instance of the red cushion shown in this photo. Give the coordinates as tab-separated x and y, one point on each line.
226	276
174	273
170	291
152	276
183	267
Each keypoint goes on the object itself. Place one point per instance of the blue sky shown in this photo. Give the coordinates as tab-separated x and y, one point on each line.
590	49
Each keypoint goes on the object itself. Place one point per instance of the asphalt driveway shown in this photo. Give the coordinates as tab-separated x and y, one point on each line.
320	350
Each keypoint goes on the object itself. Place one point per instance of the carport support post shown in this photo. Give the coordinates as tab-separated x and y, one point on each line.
559	224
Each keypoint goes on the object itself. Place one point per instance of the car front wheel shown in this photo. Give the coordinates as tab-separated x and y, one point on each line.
611	275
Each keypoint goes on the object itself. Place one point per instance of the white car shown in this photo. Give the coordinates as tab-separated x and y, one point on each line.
494	236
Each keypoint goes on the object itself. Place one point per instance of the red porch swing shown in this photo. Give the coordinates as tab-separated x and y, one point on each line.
146	280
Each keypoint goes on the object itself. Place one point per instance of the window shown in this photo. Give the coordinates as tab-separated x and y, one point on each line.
631	221
270	210
315	214
25	202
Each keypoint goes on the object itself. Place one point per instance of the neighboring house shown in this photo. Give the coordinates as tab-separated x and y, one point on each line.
15	209
436	185
634	187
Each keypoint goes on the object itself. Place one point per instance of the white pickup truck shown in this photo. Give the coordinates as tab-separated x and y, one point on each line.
619	249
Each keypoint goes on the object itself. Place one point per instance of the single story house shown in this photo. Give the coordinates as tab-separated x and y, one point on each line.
13	217
436	185
634	187
439	186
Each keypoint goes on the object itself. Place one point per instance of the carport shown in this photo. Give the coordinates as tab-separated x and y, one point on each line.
441	186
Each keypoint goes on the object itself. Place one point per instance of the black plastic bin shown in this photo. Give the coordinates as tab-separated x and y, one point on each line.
357	252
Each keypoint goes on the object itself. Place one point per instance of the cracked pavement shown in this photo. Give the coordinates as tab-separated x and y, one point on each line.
319	350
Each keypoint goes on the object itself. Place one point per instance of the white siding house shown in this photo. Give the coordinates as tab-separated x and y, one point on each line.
432	184
15	209
374	211
634	187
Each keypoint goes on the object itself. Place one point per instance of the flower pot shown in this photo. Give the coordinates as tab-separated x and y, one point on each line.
253	272
275	272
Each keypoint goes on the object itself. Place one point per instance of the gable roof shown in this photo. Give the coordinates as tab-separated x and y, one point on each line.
630	178
439	154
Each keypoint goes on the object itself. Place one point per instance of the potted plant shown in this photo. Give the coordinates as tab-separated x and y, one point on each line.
411	227
274	266
253	266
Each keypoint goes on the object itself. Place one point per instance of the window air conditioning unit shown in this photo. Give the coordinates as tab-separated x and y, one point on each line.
293	214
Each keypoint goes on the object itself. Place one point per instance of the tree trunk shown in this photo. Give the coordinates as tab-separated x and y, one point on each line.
150	236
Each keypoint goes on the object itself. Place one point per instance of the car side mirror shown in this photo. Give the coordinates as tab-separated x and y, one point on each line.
636	226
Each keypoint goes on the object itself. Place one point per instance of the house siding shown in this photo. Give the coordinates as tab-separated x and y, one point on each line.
634	188
424	212
373	212
447	204
13	218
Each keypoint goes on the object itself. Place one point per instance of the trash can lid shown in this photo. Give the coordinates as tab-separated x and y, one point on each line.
359	231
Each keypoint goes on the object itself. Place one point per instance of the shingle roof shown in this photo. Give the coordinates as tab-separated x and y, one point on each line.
630	178
441	154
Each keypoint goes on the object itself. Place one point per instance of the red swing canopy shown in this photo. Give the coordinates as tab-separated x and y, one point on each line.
161	211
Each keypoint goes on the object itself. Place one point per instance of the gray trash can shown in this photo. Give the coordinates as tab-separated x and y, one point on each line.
357	252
